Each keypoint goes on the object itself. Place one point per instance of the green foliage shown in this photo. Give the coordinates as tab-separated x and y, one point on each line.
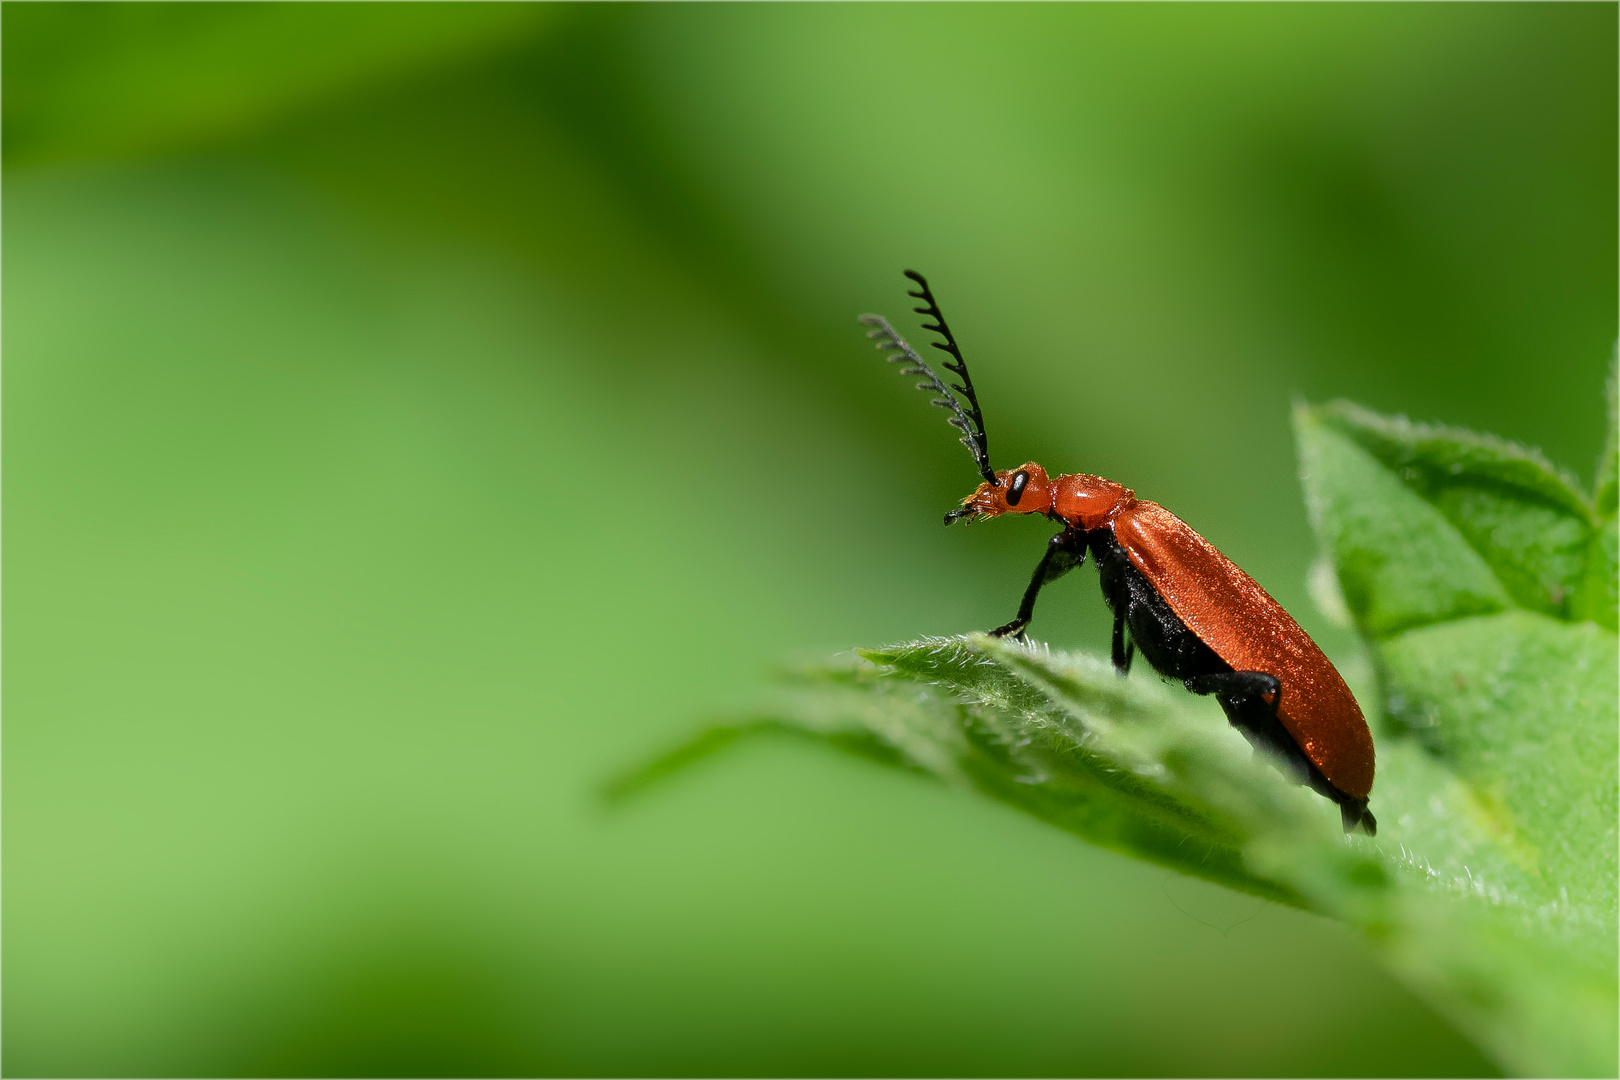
156	76
1482	580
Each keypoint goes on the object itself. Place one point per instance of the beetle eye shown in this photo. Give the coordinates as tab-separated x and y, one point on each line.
1016	492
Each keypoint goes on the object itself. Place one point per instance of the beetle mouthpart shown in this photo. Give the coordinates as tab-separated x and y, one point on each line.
959	513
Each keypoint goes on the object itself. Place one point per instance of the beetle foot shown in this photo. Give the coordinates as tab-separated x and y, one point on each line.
1356	815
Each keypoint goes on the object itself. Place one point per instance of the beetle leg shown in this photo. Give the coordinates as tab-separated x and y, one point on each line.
1237	684
1123	651
1355	813
1242	695
1064	552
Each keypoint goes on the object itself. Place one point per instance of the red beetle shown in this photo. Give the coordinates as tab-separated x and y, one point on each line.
1194	615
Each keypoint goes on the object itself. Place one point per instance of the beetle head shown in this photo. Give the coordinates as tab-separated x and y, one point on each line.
1024	490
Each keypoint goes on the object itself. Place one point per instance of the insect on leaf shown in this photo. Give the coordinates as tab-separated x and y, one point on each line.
1481	579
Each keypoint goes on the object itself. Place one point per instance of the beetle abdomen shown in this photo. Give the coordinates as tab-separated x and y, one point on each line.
1248	630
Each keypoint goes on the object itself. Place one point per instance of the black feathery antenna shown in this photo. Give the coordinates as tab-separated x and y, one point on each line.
970	421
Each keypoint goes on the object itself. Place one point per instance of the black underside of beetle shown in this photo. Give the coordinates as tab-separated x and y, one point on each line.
1177	653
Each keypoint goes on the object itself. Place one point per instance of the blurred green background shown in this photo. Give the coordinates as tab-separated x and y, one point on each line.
415	414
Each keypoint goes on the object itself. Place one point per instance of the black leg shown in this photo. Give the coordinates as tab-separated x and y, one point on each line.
1064	552
1242	695
1123	651
1237	684
1355	813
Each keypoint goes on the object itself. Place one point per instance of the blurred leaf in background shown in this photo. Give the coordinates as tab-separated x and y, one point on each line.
413	411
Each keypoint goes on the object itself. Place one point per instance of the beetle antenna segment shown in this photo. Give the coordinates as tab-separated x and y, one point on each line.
888	340
980	444
970	421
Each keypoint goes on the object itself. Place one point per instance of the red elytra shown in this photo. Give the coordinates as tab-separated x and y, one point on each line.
1193	614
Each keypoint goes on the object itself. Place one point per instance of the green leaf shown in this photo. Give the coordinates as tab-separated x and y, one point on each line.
1399	562
1467	564
1517	705
1125	763
1410	502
